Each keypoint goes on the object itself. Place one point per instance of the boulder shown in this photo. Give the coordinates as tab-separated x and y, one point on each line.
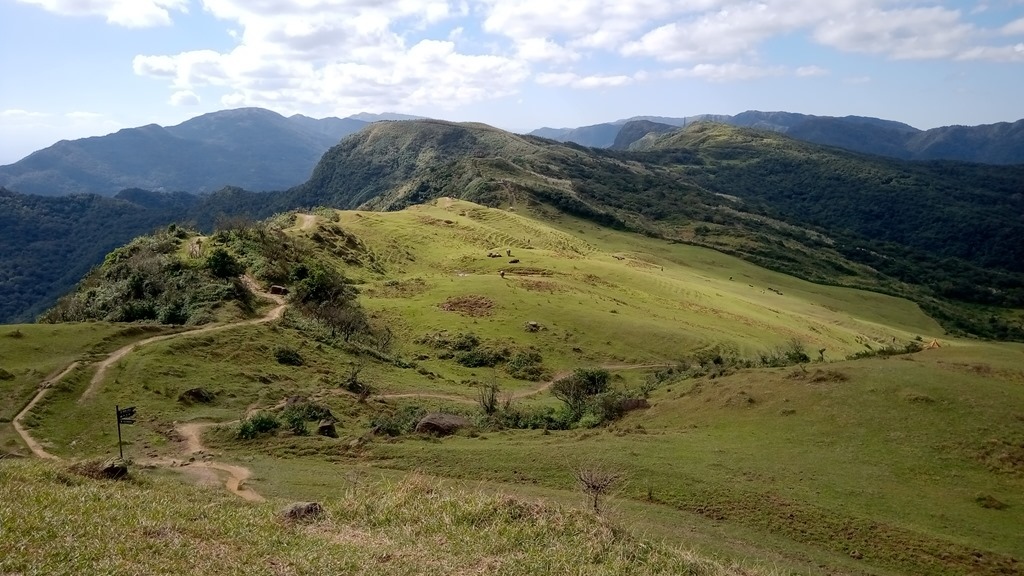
197	395
441	424
327	428
302	511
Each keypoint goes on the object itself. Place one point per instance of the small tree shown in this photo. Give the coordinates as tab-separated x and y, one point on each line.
595	481
577	390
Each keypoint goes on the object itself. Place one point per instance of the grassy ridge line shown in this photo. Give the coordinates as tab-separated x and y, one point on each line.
66	524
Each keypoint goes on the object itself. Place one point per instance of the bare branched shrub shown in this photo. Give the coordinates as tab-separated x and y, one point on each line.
596	482
488	397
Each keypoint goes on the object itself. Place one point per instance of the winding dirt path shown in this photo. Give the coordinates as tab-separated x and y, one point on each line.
103	366
191	432
44	387
518	395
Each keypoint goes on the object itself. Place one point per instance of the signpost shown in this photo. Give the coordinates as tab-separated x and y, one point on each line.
124	416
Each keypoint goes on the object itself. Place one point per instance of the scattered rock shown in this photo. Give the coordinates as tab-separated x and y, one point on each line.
303	511
327	428
197	395
111	469
293	400
532	326
514	261
5	375
441	424
990	502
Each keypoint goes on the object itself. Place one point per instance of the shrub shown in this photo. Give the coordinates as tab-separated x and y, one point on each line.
288	356
296	423
526	365
222	264
488	398
259	423
307	411
482	357
401	421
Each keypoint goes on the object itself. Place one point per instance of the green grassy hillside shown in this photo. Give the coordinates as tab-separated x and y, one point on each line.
883	463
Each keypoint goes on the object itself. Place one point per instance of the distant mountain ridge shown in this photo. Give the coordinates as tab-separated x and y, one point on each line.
1001	143
250	147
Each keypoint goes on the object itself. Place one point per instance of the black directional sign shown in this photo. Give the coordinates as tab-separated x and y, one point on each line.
124	416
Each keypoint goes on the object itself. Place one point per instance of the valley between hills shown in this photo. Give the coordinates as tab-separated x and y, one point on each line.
448	328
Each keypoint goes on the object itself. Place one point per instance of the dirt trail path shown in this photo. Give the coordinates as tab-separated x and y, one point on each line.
305	221
44	387
191	432
518	395
103	366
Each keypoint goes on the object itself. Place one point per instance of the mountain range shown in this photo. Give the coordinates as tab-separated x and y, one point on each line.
260	150
250	147
1001	143
939	233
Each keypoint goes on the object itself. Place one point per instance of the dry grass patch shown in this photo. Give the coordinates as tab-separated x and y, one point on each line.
469	305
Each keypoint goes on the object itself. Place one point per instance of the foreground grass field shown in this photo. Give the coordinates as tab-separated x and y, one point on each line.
905	464
54	522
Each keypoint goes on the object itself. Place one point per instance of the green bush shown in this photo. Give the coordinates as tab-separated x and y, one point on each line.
259	423
288	356
526	365
222	264
296	423
547	418
401	421
307	411
483	357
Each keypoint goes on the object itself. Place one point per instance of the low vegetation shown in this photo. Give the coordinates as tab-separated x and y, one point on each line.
66	524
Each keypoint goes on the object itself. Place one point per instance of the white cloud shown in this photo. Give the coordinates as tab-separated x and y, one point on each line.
805	71
337	57
79	115
914	33
1015	28
587	82
341	56
19	113
1013	53
542	49
725	72
128	13
603	24
184	98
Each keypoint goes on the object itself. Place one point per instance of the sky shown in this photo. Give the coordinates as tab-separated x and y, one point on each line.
77	68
